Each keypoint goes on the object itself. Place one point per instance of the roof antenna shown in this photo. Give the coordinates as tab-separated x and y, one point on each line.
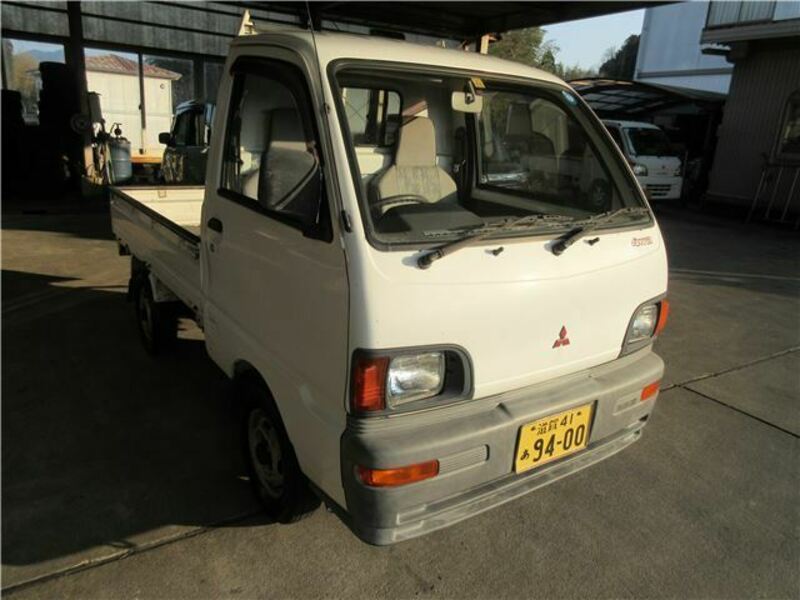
324	104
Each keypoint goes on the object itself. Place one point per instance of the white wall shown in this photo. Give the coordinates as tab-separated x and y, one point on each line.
669	50
119	98
158	105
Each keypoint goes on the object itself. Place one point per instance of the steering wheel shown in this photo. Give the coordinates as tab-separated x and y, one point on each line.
383	205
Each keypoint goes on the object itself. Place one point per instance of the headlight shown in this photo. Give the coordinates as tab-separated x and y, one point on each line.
648	321
640	170
643	324
677	171
414	377
389	381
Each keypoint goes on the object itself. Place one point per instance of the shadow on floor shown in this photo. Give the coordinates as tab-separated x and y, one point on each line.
100	442
713	252
95	225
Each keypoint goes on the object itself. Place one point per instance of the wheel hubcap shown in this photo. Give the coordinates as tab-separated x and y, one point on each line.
265	452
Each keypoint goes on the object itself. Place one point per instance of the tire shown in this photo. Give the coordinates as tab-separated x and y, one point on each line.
275	474
157	321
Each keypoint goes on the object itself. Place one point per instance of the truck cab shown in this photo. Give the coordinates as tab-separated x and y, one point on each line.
652	158
187	142
433	279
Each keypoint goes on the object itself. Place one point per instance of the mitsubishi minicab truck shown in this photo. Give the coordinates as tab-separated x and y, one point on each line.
430	273
651	157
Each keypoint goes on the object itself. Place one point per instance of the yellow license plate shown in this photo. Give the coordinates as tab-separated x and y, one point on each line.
553	437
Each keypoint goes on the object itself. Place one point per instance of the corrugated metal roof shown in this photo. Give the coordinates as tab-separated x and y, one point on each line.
621	97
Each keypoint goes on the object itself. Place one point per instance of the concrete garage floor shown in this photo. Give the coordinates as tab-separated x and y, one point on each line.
121	475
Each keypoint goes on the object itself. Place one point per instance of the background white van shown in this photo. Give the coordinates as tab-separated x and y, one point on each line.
652	158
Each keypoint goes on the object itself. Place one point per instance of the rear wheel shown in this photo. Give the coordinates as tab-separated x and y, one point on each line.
275	473
157	322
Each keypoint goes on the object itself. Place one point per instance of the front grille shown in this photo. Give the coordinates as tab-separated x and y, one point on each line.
658	189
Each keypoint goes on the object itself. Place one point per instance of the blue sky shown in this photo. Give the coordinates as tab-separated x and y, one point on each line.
584	42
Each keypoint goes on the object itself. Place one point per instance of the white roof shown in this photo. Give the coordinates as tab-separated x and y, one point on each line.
632	124
332	46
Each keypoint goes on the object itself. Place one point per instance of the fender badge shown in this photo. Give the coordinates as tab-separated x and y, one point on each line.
642	241
562	340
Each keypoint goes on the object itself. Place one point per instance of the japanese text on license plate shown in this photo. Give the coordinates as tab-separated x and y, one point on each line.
552	437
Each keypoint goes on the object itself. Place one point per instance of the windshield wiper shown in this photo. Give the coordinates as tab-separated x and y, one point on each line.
585	227
479	233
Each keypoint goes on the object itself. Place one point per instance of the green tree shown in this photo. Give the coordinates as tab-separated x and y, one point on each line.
520	45
621	63
529	47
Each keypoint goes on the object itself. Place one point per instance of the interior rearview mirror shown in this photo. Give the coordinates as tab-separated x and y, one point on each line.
467	102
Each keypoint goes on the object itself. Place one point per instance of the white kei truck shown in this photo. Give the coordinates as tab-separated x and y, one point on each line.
651	156
430	273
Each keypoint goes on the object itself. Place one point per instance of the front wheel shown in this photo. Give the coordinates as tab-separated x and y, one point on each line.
274	471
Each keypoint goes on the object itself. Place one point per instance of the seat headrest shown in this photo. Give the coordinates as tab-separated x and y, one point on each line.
285	127
518	120
416	146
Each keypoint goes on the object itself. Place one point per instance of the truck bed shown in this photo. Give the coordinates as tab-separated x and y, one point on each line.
161	227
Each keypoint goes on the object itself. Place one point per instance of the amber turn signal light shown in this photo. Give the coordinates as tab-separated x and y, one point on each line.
663	313
398	475
369	383
650	390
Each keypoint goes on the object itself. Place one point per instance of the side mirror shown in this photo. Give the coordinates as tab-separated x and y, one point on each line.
165	137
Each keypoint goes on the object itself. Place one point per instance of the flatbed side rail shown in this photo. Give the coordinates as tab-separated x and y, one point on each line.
192	239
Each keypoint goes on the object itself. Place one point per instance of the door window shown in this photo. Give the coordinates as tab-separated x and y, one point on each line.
188	129
270	160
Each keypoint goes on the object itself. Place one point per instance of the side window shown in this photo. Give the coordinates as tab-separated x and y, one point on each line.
270	160
373	115
183	129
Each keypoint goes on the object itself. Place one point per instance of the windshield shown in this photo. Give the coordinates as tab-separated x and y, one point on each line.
649	142
438	155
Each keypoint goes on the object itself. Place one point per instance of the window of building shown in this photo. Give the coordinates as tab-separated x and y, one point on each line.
168	82
789	140
115	76
212	74
22	73
270	159
727	12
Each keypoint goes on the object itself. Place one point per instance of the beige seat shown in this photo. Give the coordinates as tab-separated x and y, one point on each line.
414	171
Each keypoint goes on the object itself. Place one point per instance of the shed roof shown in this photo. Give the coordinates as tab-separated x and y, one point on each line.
453	20
618	97
114	63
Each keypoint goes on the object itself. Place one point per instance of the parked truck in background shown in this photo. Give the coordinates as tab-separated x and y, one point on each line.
433	279
187	142
652	157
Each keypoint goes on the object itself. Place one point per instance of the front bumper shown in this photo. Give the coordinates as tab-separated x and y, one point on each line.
475	444
662	187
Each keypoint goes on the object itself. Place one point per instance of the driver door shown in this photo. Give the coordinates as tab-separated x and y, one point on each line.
274	274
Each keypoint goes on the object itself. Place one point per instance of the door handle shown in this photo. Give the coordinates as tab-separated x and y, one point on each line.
215	224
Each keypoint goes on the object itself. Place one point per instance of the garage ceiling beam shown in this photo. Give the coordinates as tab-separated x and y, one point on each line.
453	20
